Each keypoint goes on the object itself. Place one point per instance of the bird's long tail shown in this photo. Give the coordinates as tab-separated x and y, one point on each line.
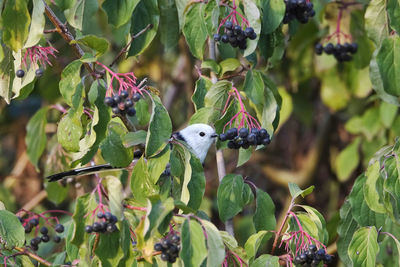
81	171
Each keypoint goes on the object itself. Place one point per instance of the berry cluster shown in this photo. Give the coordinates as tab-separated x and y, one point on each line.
122	104
235	35
312	257
34	222
169	247
107	225
21	73
301	10
342	52
242	137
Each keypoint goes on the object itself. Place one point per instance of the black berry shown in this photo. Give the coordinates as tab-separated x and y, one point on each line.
158	247
57	239
228	24
34	222
100	215
131	111
45	238
223	137
44	230
111	228
124	94
136	97
88	229
109	101
217	37
39	72
128	103
59	228
20	73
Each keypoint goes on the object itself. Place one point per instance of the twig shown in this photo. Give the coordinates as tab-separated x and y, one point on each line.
67	36
125	49
33	256
219	154
278	234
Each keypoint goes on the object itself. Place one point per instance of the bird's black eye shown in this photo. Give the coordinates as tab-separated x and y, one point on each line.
202	134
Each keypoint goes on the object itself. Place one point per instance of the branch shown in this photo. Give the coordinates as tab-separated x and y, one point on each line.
278	234
125	49
33	256
67	36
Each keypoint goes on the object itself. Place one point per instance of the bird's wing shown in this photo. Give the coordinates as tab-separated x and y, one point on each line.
81	171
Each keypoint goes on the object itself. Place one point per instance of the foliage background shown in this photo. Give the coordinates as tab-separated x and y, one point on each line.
332	121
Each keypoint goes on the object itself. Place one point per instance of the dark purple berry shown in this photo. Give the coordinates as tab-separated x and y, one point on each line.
353	48
225	38
263	133
128	103
320	254
39	72
59	228
88	229
20	73
253	36
165	257
103	226
248	31
232	133
28	228
243	132
237	29
44	230
45	238
57	239
217	37
223	137
116	110
100	215
328	258
109	101
175	239
158	247
34	222
131	111
329	48
124	94
117	99
318	49
312	248
36	241
96	227
113	219
111	228
228	24
136	97
252	139
231	145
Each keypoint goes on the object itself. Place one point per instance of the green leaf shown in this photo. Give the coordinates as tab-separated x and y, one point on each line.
15	34
244	156
160	128
229	196
263	219
393	10
135	138
119	11
364	247
229	64
388	59
347	160
253	243
206	115
266	260
37	24
56	192
212	65
169	23
80	13
371	195
377	83
11	231
109	249
387	113
22	87
273	12
376	21
217	94
194	249
69	131
112	148
144	14
360	210
295	190
115	195
319	221
36	136
195	30
70	78
100	45
197	183
89	145
157	211
346	228
142	185
156	165
200	91
215	245
253	16
84	205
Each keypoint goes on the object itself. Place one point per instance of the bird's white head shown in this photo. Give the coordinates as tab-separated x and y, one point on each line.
199	137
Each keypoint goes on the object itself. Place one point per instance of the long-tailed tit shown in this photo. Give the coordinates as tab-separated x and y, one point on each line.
199	137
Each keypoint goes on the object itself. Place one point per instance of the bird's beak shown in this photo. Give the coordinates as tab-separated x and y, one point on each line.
214	135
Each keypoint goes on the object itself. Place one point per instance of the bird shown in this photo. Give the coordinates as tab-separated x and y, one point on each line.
198	137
